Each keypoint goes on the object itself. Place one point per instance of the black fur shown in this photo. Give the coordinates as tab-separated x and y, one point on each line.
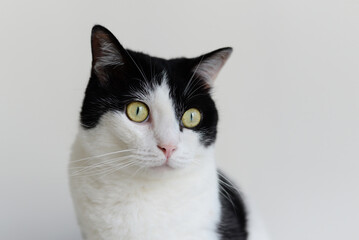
233	225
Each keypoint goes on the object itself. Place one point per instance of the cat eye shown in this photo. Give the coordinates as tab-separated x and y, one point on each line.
191	118
137	111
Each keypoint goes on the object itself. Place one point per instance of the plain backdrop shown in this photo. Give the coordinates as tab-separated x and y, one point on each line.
288	100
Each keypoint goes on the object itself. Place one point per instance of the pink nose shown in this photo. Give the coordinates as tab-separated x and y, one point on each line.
167	149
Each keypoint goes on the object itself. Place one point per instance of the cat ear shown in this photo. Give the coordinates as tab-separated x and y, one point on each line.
211	63
106	52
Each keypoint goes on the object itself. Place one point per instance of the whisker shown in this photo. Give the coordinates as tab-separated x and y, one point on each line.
151	67
143	75
229	181
190	80
99	164
102	155
192	94
111	171
227	196
145	157
141	155
138	170
102	171
228	185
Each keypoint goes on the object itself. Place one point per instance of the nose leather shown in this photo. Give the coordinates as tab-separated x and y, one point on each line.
167	149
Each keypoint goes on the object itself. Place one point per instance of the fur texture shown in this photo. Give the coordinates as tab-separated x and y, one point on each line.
122	183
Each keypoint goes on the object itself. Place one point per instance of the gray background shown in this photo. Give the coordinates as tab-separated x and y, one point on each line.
288	100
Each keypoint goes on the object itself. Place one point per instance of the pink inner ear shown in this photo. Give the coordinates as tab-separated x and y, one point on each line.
209	67
96	45
105	52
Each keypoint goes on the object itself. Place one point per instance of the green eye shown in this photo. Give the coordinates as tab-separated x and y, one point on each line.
191	118
137	111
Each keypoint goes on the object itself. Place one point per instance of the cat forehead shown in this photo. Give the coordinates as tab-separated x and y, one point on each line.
162	105
158	94
148	72
161	92
147	88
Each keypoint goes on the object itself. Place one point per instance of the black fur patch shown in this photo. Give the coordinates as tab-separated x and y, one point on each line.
233	225
114	92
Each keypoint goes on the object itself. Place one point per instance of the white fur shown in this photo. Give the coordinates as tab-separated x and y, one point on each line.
144	200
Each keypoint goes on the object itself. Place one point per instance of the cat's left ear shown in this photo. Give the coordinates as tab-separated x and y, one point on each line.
107	52
211	63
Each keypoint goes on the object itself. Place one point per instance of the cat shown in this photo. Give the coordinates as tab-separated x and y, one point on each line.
142	164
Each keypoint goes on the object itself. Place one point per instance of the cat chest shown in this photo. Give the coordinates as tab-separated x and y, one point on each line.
160	215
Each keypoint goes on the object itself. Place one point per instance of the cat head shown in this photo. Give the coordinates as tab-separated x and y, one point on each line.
160	111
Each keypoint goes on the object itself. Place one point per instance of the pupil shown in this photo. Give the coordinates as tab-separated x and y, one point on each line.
137	110
192	116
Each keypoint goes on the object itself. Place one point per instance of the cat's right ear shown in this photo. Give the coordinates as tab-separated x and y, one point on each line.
211	63
107	52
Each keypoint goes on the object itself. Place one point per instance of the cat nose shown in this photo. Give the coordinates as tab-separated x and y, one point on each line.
167	149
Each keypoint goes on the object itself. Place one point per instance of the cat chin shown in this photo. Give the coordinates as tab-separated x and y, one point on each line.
164	165
162	172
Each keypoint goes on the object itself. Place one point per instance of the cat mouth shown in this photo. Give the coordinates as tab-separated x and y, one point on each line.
164	165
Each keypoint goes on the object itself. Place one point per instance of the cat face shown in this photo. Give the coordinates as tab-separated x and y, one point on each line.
160	110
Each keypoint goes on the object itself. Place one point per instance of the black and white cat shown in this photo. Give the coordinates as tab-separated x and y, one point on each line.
143	162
